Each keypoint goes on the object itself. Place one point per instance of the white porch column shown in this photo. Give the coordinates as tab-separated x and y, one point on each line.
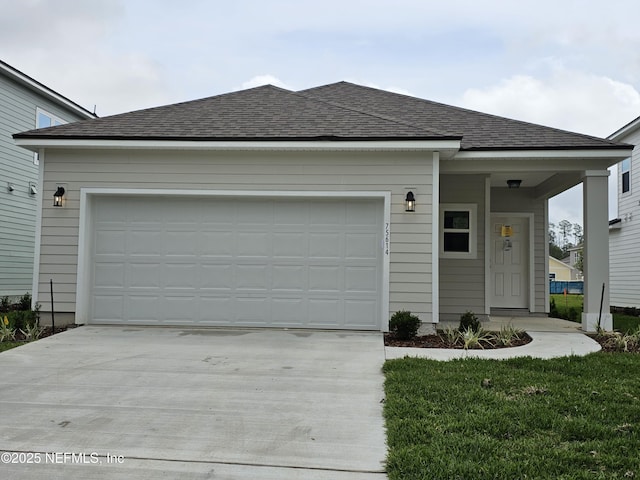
596	250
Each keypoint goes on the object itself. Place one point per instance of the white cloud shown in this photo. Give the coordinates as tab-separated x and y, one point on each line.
267	79
567	99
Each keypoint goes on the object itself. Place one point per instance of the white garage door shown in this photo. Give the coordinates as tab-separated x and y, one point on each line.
237	262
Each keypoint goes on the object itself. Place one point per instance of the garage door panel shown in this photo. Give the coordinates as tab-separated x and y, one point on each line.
144	243
291	214
324	313
217	310
246	262
216	277
261	213
289	277
252	310
181	243
325	278
253	244
143	308
362	313
144	275
327	214
325	245
109	242
289	245
181	309
109	275
108	307
217	244
251	277
360	213
361	279
181	276
288	311
361	245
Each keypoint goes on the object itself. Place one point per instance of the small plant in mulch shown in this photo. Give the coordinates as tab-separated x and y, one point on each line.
619	341
468	321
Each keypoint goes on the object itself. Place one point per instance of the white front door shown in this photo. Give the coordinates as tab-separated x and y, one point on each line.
509	262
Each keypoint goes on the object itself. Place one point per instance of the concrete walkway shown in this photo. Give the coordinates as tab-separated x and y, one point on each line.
147	403
544	345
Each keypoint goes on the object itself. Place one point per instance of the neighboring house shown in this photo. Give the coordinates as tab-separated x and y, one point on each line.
24	104
572	259
624	231
325	208
559	271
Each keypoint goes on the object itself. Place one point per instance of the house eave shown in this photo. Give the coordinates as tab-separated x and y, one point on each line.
35	144
614	153
629	128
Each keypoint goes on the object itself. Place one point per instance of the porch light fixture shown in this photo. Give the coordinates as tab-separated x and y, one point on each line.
410	203
514	183
57	197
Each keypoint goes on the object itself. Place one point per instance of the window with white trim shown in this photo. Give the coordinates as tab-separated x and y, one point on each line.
458	230
45	119
625	169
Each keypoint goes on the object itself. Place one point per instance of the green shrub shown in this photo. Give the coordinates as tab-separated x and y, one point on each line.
5	304
573	314
25	302
468	321
404	325
553	309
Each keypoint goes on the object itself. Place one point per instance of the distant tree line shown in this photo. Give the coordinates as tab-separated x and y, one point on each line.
562	237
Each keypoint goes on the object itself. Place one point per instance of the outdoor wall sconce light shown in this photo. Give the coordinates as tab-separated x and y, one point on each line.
57	197
11	187
514	183
33	189
410	203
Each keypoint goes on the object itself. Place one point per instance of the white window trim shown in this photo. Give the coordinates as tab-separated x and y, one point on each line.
622	172
472	208
54	118
48	114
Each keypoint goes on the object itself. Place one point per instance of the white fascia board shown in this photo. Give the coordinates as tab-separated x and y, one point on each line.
542	154
233	193
629	128
375	145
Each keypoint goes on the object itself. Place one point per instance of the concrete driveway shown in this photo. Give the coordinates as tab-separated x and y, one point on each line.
128	402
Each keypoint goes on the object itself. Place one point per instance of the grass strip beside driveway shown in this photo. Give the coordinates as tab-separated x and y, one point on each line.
567	418
9	345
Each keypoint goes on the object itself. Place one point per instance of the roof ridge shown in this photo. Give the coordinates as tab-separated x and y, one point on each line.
374	114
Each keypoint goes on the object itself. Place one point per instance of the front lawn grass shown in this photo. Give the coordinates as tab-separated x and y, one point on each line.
621	322
567	418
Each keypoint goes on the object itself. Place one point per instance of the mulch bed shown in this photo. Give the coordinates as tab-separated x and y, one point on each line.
434	341
47	332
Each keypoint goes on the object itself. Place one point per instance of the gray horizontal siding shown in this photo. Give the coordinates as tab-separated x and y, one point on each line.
410	252
462	281
18	106
624	254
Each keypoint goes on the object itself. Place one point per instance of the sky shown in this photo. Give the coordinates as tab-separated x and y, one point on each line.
569	64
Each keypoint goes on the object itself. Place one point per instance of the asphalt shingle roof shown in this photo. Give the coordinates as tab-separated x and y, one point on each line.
480	131
340	111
